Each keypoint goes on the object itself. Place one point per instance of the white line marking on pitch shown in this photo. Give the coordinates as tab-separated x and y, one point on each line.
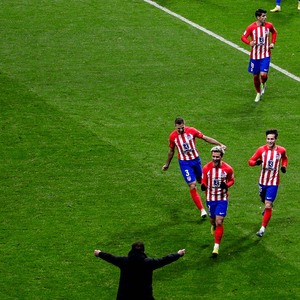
218	37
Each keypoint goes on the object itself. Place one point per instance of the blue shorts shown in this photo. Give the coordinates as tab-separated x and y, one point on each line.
268	193
259	65
191	170
217	208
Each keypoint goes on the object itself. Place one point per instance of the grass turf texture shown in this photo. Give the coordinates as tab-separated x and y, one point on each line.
89	93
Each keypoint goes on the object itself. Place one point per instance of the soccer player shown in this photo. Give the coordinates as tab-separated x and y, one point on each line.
137	270
184	139
260	56
278	6
269	156
216	179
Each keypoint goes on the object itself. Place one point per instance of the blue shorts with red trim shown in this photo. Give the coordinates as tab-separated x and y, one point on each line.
191	170
217	208
268	192
257	66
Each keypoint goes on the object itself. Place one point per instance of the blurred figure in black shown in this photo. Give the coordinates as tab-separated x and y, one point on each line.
136	271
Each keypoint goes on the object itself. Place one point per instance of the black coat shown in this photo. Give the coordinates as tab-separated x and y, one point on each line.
136	273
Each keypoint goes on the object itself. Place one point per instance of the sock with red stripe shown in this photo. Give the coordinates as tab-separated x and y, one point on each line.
196	198
267	216
219	233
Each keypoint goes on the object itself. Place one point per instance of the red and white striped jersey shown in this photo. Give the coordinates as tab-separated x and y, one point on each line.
271	159
261	36
212	178
185	143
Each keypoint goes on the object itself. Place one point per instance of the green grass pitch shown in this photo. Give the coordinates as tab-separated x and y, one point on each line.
89	91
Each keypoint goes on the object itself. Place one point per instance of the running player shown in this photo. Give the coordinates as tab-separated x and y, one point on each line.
260	56
216	179
270	157
184	139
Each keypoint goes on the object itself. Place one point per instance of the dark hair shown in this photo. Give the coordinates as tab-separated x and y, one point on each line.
179	121
272	131
259	12
137	252
138	246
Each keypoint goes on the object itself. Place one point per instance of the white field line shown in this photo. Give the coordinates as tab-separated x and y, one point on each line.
218	37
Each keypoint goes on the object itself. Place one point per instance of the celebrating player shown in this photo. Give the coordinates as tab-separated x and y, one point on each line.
184	139
216	179
260	55
269	157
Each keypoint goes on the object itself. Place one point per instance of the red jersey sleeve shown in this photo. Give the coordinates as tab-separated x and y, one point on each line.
284	158
196	133
255	157
274	33
230	176
246	34
204	175
172	140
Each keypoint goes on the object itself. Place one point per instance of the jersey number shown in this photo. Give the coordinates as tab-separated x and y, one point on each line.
186	147
261	40
216	183
270	164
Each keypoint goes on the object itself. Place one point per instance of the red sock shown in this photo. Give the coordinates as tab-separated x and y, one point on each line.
219	234
267	216
256	81
196	198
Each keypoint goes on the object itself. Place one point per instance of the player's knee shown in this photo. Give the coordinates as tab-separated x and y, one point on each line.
192	185
264	77
219	222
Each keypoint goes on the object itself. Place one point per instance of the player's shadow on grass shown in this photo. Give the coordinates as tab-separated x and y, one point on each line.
241	246
231	249
192	217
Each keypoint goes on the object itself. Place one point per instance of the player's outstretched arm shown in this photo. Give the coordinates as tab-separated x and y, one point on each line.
213	141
